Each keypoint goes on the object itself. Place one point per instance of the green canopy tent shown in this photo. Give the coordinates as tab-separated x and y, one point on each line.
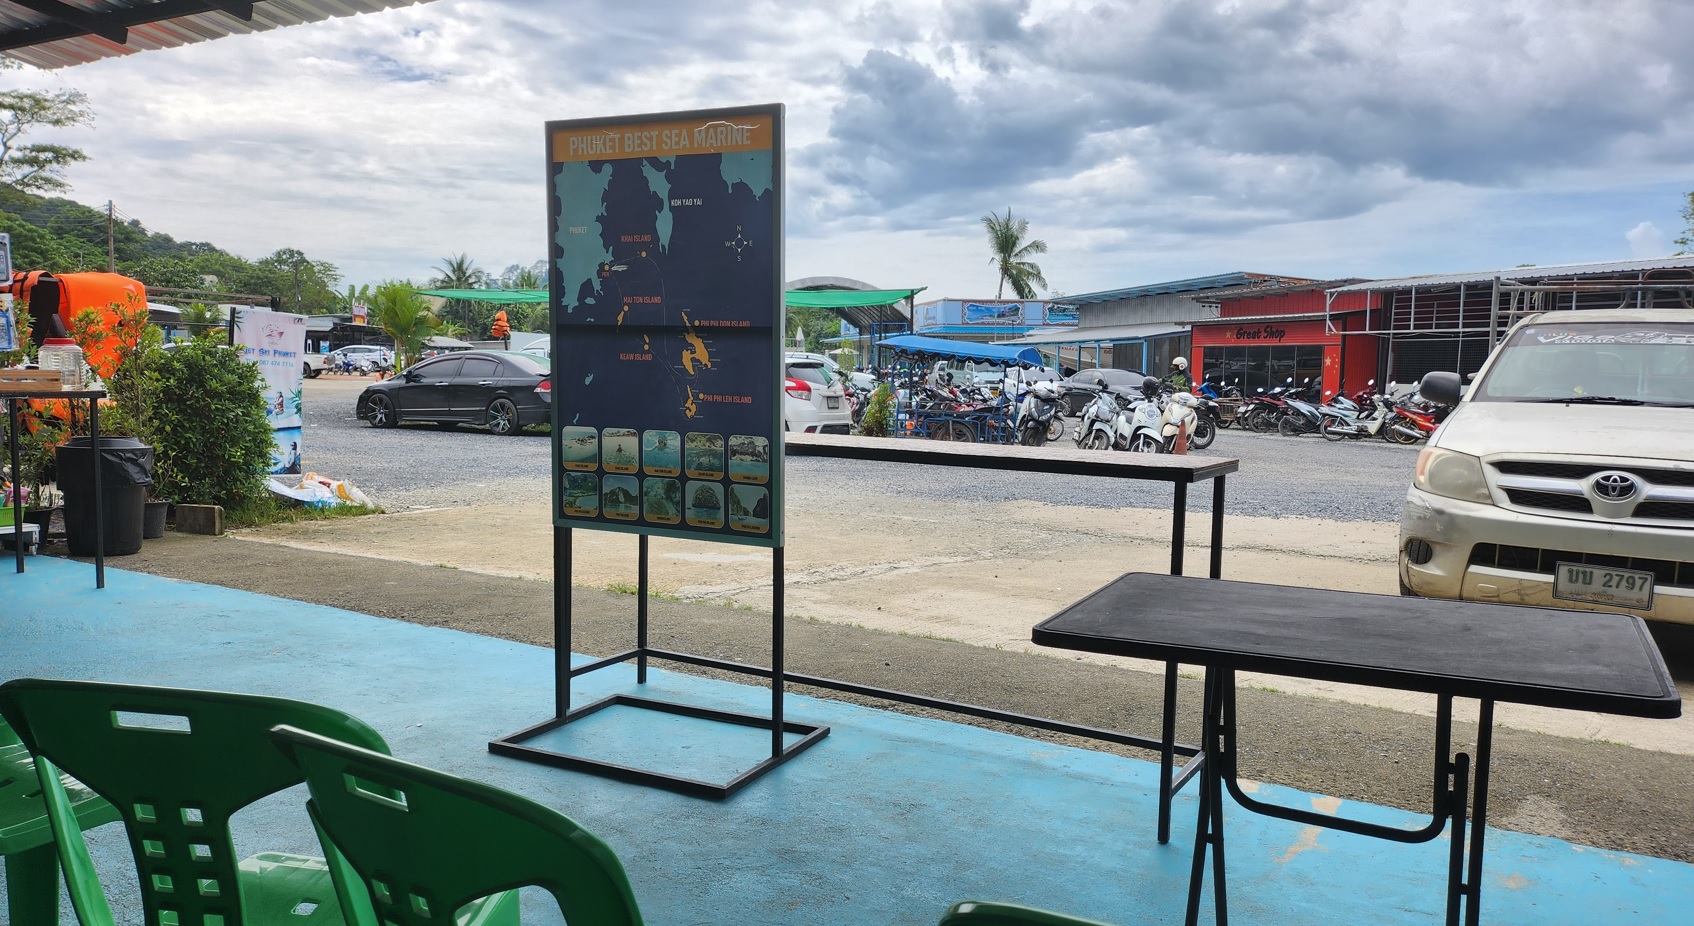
527	296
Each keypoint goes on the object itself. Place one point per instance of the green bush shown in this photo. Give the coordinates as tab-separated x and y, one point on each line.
211	442
879	412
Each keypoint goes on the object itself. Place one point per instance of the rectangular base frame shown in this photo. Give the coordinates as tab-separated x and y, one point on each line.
514	747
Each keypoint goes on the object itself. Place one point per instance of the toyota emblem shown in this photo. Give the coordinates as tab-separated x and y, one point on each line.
1614	487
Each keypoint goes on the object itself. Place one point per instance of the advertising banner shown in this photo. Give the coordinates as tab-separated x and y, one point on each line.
665	278
276	342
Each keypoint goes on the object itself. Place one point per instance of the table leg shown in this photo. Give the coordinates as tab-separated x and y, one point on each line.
1208	825
1167	753
1479	812
17	497
1217	528
99	505
1458	795
1179	527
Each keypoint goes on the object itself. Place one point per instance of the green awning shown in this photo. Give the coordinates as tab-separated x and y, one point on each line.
848	298
489	295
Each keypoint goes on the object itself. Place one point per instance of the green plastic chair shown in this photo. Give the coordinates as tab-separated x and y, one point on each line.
26	839
981	913
177	764
425	842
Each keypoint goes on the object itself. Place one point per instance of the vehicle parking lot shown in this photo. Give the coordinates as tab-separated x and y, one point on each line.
424	466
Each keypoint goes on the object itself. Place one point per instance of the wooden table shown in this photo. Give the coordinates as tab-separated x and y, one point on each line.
1578	660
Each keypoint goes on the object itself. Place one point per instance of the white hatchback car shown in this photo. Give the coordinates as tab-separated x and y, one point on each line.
813	400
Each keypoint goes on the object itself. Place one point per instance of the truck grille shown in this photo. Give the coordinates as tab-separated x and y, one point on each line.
1660	494
1663	477
1668	573
1552	501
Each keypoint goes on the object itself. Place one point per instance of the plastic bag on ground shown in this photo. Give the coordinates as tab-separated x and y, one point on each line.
320	491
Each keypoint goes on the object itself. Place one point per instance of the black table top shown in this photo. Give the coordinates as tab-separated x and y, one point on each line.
1062	459
1580	660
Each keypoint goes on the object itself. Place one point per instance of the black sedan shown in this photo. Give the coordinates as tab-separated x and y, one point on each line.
502	389
1081	387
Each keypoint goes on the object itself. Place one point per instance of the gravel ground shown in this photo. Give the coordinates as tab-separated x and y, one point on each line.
425	466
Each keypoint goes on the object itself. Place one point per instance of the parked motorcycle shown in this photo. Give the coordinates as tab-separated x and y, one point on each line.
1338	425
1300	411
1038	415
1163	427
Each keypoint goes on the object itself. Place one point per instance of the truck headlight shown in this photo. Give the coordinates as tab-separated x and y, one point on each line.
1451	474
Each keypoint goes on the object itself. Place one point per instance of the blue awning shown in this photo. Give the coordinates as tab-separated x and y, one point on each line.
965	350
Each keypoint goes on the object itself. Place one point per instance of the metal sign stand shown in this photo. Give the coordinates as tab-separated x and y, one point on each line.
517	744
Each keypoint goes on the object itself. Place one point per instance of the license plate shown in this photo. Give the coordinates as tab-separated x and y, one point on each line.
831	401
1625	588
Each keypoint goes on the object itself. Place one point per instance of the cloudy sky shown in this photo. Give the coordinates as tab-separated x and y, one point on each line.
1145	140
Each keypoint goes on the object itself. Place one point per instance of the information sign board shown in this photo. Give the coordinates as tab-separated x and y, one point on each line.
276	342
665	284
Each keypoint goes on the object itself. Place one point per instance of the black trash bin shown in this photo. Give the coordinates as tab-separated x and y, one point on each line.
126	472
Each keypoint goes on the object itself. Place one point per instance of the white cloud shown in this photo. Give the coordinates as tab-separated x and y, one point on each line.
1645	240
1145	141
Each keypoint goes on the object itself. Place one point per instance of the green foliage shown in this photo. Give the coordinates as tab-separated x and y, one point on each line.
1686	242
38	167
1011	254
406	317
461	272
531	317
211	442
879	412
528	278
817	323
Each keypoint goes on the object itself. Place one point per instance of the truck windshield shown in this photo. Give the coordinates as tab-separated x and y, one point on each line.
1586	361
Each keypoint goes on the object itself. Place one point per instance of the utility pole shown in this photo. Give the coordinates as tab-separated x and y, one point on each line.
111	245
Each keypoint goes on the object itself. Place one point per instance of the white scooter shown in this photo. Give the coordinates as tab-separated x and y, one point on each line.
1166	429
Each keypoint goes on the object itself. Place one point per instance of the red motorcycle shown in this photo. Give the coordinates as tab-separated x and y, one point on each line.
1409	422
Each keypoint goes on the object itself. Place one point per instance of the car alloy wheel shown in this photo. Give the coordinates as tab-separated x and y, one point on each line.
502	417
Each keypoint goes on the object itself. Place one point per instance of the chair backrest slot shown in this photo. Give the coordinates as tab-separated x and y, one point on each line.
377	794
158	723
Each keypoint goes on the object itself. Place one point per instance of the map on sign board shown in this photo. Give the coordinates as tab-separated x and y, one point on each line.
666	290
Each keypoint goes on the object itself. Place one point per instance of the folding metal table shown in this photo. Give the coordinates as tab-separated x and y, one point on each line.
92	397
1578	660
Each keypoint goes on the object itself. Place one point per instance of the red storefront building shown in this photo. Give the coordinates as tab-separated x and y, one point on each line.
1263	336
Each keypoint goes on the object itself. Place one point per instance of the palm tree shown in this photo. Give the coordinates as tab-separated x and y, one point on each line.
406	317
202	320
460	272
1012	254
528	278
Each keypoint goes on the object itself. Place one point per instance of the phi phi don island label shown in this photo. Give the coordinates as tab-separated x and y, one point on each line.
666	305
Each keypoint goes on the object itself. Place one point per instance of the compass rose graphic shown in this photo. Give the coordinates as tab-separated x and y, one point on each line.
739	243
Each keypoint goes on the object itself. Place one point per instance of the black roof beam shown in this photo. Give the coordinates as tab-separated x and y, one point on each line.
113	25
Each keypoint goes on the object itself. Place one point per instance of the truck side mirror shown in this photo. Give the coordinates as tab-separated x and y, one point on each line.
1441	388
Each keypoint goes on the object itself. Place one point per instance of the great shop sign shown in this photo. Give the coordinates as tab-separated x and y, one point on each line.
1265	333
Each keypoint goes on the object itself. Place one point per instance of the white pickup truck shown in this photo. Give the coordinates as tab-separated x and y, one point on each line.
1564	476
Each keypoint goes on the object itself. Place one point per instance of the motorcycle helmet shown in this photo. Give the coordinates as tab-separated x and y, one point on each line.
1150	387
1180	364
1046	391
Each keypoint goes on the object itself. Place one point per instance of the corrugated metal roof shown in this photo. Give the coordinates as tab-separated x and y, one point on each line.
1551	271
1216	281
1100	334
90	29
1274	289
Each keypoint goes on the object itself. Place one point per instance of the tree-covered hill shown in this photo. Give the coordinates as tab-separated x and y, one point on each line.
62	236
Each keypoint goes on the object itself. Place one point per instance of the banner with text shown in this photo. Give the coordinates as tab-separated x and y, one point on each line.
276	341
666	292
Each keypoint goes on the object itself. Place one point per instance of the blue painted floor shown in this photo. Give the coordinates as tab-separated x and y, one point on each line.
887	821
